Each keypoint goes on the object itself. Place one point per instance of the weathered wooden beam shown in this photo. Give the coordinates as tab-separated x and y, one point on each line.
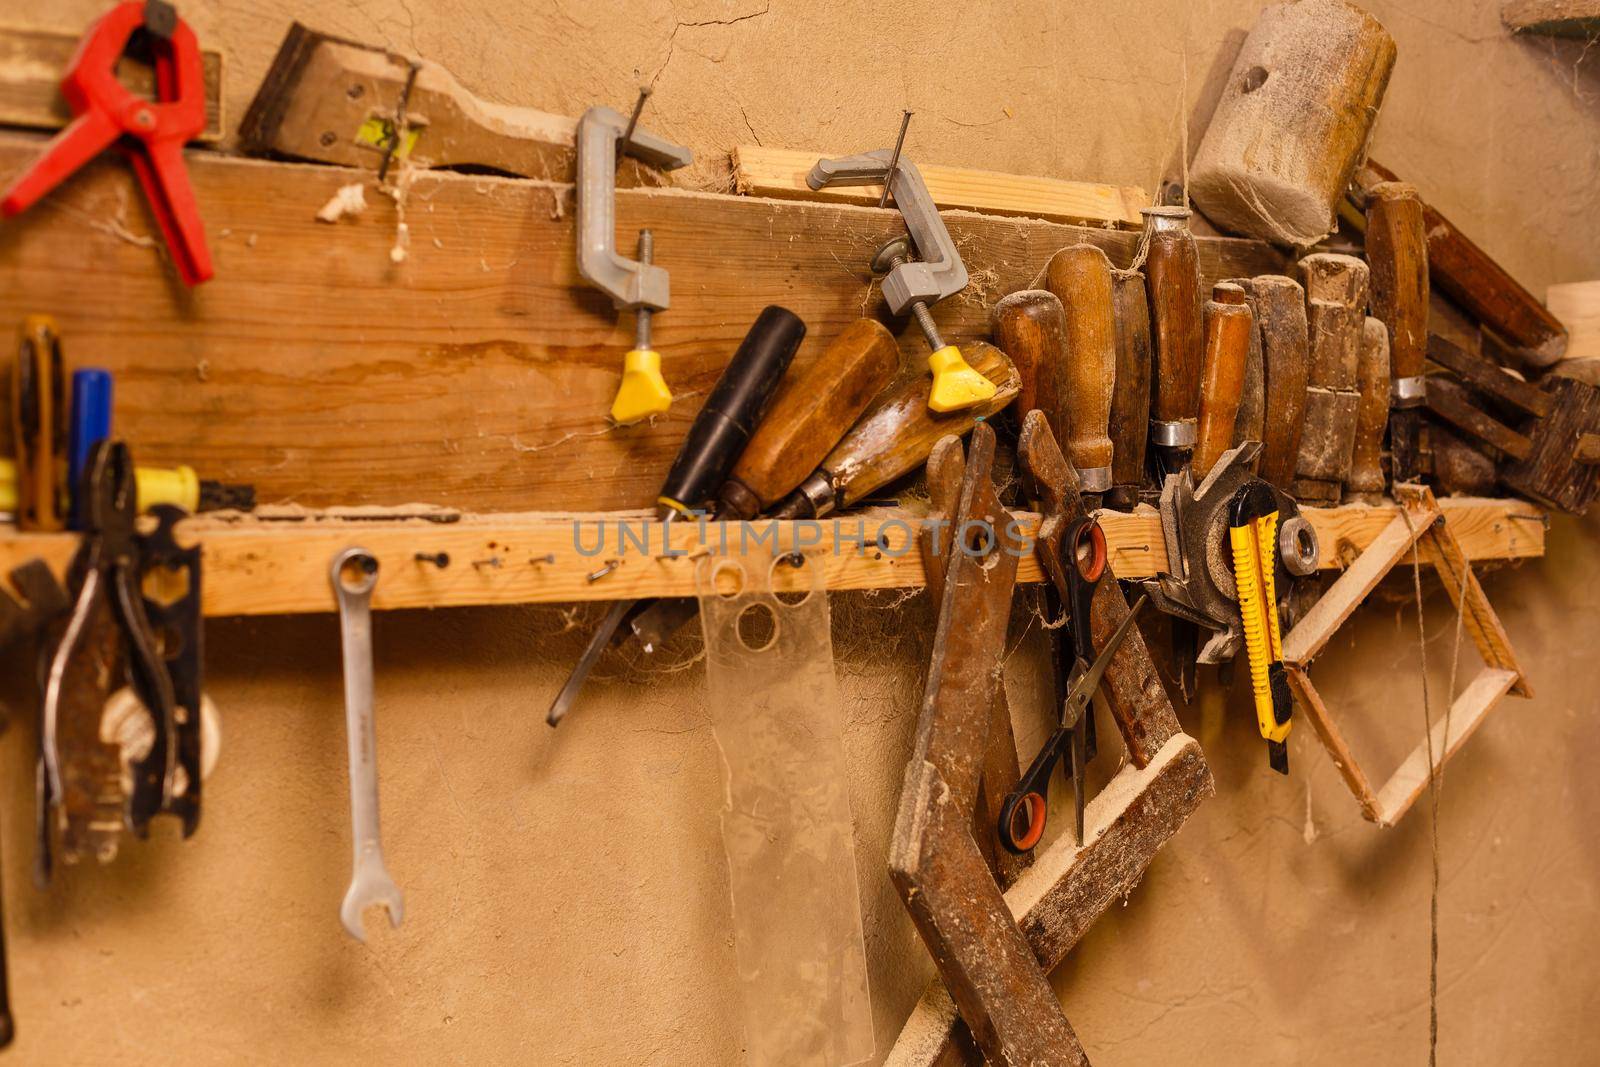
781	173
1068	887
32	63
256	567
1553	18
477	372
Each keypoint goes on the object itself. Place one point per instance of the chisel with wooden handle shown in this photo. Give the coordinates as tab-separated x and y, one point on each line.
812	410
894	437
713	445
1228	325
1080	277
1365	485
1172	279
1129	424
1251	422
1278	304
1336	299
1030	327
1397	249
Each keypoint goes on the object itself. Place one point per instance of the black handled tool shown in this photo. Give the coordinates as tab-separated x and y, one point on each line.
715	441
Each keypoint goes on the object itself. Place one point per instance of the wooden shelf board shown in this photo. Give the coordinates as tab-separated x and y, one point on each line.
478	372
255	567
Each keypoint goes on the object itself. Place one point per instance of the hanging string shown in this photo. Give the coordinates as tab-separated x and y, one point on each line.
1435	770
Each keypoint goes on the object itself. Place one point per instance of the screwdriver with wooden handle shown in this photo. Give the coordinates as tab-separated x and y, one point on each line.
812	410
714	443
1228	326
894	436
1129	424
1172	279
1397	251
1079	405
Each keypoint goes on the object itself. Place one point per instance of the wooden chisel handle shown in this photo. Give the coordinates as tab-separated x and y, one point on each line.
1365	485
1172	278
1279	306
1228	324
1129	425
39	425
894	436
812	410
1030	327
1080	276
1397	249
1478	285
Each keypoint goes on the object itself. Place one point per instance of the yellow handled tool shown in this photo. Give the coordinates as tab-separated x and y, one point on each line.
1253	533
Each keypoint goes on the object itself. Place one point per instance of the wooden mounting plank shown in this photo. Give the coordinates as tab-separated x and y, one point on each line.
1318	626
1467	713
1553	18
1056	900
1577	305
32	63
255	567
478	372
781	173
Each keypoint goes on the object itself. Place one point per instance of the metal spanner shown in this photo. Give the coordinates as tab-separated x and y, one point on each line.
354	573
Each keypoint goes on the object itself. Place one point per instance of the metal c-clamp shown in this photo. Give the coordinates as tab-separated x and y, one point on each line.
633	284
913	284
940	272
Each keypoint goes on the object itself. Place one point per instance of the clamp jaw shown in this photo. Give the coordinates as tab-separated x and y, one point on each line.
630	284
1195	521
912	284
940	272
633	284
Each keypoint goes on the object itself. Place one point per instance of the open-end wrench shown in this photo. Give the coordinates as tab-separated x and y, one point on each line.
354	573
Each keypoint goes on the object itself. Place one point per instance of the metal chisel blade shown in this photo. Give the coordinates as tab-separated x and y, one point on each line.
580	673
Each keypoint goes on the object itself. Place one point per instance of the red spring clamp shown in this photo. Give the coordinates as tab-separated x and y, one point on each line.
153	133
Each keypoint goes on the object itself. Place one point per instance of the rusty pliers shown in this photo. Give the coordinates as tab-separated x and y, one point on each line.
107	637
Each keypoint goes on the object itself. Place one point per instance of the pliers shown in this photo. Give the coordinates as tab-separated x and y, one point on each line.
106	628
152	133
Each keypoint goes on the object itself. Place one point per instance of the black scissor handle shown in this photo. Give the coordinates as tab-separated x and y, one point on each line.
1022	813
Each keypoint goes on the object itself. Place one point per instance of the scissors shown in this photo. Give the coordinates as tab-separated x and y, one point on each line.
1022	814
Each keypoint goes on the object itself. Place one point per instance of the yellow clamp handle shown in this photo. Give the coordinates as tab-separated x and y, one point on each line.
955	384
154	485
167	485
643	391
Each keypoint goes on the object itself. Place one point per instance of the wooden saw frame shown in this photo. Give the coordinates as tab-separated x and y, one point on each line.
993	951
1418	522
